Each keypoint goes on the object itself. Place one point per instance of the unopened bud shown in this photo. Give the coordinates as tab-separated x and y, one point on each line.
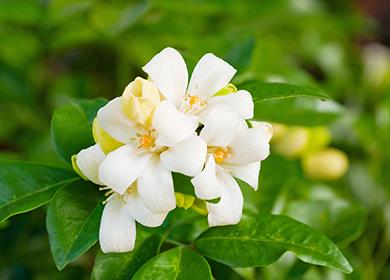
139	100
328	164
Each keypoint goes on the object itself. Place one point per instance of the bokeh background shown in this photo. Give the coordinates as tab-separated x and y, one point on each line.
54	51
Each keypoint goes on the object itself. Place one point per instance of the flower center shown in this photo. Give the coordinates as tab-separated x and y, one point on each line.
146	141
192	104
220	154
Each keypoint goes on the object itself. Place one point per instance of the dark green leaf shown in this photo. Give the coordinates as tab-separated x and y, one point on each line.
298	111
240	55
71	126
124	265
26	186
223	272
178	263
260	240
266	91
73	220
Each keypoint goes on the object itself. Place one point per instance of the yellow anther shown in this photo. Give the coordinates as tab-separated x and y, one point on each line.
146	141
194	99
220	154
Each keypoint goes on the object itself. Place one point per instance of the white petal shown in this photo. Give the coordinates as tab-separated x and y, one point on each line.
169	72
266	126
228	210
122	167
141	213
155	186
248	173
112	119
206	184
248	146
210	75
187	157
172	126
88	162
220	127
240	102
117	228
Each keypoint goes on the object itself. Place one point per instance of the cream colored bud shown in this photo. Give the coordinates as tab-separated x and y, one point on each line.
293	143
278	131
106	142
139	100
328	164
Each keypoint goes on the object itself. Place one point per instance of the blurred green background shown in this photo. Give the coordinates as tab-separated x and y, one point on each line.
54	51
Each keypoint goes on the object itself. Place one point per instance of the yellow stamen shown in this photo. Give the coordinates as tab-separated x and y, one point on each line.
220	154
146	141
194	99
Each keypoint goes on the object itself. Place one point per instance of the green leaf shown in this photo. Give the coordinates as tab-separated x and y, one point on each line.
342	221
73	220
125	265
71	126
266	91
298	111
179	263
26	186
260	240
240	55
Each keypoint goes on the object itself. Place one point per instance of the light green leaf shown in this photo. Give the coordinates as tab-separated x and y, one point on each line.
26	186
71	126
266	91
73	220
124	265
179	263
260	240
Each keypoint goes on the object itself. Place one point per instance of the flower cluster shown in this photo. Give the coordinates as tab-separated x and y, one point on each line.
166	124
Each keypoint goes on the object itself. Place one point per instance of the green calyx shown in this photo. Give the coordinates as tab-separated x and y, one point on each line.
187	201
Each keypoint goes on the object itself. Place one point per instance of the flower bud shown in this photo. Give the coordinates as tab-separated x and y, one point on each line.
293	142
328	164
106	142
139	100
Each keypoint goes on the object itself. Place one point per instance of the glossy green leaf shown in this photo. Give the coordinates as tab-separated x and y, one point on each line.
73	220
178	263
260	240
266	91
26	186
341	221
124	265
297	111
71	126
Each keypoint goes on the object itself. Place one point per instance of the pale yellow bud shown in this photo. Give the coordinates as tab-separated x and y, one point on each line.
278	131
293	143
139	100
328	164
319	138
106	142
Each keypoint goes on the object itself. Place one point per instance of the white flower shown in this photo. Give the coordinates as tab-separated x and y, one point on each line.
211	75
142	157
233	150
117	227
